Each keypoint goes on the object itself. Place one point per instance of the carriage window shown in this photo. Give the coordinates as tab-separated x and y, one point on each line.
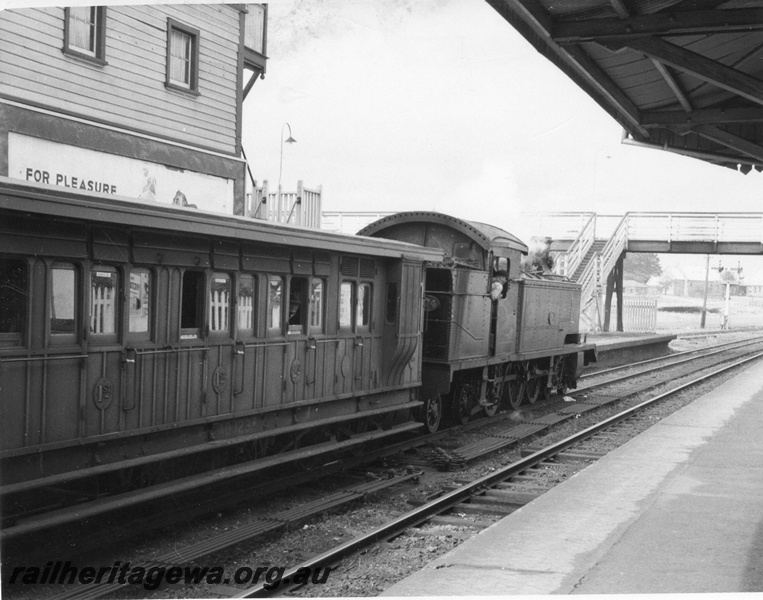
140	301
104	290
13	301
219	302
246	303
391	302
316	305
345	305
363	318
297	305
192	301
275	294
500	263
63	299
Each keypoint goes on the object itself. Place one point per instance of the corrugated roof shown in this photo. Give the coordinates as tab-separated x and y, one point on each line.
680	75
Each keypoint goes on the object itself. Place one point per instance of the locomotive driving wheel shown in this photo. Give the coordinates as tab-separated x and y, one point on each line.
533	390
462	402
534	385
515	388
431	412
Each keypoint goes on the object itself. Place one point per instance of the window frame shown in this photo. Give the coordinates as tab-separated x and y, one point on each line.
193	69
195	333
304	299
224	332
341	305
65	338
98	56
111	336
276	329
248	332
321	328
12	339
147	335
360	301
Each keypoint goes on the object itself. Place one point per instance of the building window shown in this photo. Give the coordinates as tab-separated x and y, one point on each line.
13	301
182	57
85	32
104	289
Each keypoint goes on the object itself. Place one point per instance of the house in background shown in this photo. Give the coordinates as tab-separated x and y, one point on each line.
690	281
138	102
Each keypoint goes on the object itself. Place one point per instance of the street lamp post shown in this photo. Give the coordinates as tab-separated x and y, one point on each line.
289	140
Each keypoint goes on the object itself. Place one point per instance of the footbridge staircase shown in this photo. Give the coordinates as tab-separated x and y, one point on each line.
587	246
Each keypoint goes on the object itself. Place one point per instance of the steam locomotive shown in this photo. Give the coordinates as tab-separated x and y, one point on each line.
133	333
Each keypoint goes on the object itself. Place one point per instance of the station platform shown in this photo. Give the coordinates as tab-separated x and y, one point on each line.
615	349
678	509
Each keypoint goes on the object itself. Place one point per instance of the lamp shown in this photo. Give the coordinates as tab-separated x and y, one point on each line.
289	140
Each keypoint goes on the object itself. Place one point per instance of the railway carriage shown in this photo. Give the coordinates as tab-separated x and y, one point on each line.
481	350
134	331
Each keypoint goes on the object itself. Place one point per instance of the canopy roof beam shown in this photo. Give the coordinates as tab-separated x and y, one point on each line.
703	68
673	23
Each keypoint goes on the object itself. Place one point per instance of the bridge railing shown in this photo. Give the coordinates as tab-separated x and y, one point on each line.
696	227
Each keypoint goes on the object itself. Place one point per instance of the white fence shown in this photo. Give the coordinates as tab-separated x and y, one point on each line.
639	314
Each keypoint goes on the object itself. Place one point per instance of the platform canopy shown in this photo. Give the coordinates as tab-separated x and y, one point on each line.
679	75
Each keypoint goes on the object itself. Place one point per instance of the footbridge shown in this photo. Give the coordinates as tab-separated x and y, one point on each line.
590	248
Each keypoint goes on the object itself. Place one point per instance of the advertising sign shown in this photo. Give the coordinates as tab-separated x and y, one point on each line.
42	161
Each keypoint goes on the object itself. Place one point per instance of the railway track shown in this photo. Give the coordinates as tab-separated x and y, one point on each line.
495	493
498	501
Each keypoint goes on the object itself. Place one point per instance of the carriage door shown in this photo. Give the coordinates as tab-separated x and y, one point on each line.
502	309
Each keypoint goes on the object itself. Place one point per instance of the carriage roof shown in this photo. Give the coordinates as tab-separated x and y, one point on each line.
97	208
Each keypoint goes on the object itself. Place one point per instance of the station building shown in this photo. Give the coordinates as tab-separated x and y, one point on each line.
135	102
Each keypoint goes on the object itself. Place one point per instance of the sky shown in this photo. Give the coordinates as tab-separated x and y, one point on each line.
442	105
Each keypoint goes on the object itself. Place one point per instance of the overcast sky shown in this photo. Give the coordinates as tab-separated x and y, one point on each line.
442	105
425	104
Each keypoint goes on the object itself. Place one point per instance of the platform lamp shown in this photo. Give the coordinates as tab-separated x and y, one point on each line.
289	140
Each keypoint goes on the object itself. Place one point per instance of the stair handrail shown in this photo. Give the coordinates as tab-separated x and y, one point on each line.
579	247
597	270
614	247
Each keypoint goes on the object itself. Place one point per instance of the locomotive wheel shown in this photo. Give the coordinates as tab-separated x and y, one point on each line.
462	403
534	386
431	412
515	389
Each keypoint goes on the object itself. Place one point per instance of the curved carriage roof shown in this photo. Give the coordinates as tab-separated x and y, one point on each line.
488	237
